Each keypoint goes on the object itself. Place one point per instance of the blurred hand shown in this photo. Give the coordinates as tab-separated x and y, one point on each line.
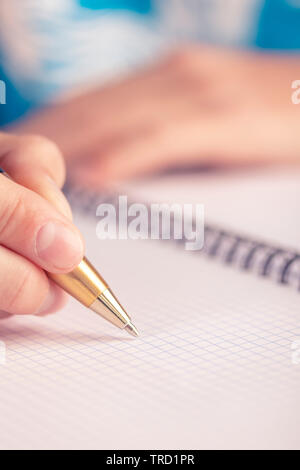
198	106
36	232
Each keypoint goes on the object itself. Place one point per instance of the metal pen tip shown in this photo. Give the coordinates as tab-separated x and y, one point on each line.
131	329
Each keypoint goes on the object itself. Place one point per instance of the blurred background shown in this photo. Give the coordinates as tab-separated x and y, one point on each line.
102	78
53	46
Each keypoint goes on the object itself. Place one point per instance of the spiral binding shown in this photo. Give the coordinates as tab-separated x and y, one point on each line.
274	262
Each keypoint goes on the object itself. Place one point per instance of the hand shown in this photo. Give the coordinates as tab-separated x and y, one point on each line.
198	106
36	232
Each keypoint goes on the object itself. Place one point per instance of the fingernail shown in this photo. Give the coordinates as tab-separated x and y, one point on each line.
49	303
55	300
58	199
4	315
59	246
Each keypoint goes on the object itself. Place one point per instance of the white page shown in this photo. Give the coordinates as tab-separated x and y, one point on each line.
213	367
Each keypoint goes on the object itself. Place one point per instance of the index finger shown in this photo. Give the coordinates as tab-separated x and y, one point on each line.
37	164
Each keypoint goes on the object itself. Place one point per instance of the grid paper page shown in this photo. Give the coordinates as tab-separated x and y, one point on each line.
213	366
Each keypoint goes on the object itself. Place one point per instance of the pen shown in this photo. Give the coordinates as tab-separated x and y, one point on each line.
89	288
86	285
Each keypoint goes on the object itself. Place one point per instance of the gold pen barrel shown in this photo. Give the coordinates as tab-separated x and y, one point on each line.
86	285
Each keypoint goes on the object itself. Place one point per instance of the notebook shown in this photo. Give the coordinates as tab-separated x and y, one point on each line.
217	364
